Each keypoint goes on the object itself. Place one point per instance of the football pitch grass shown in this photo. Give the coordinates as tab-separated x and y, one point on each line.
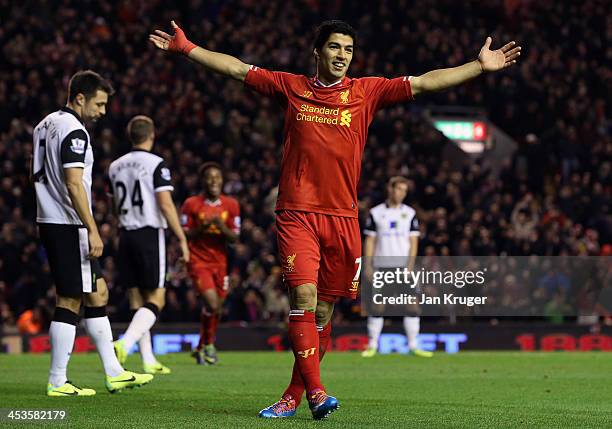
466	390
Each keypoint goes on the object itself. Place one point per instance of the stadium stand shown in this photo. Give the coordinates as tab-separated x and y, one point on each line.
552	198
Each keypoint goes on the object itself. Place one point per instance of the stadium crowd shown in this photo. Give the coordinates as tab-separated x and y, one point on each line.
551	198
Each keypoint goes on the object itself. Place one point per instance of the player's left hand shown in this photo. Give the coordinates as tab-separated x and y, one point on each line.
500	58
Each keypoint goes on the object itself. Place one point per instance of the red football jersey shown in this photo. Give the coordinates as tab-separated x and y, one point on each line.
324	135
210	247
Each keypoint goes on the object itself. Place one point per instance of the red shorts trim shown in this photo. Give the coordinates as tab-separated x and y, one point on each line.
321	249
206	277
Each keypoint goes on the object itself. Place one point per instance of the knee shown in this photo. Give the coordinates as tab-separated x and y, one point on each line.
70	303
322	318
304	297
323	313
220	302
100	297
157	297
160	301
213	305
135	299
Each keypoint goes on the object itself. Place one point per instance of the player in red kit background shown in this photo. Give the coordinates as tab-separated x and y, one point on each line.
326	122
211	221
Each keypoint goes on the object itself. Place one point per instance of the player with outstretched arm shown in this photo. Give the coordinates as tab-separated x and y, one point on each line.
326	124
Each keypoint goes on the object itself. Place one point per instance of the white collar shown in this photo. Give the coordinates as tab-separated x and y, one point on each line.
319	83
213	203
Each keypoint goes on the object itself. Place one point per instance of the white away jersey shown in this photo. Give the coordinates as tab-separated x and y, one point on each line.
392	228
134	180
60	141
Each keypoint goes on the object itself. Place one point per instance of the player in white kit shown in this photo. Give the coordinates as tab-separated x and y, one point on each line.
392	239
142	190
62	175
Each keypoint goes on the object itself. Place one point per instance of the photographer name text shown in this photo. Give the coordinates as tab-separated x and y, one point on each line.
446	299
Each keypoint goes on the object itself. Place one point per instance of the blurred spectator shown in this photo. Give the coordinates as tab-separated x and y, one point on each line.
30	322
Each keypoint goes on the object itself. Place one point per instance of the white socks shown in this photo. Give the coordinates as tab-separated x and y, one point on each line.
62	341
375	325
412	325
99	330
146	349
142	322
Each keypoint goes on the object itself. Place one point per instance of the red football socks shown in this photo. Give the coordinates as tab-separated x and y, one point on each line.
203	326
296	386
211	332
305	344
208	328
324	337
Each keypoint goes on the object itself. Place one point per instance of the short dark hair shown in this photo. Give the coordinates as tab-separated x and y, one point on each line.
87	82
334	26
396	180
139	129
208	165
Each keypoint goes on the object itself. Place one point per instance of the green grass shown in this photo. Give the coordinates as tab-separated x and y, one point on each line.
467	390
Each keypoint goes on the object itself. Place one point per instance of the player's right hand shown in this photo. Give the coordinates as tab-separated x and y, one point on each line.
177	43
95	245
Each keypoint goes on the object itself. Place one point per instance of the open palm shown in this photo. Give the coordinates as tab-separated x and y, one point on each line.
500	58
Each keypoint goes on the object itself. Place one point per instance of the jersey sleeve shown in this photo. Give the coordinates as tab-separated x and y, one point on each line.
382	92
162	178
233	220
187	215
414	227
370	226
73	149
269	83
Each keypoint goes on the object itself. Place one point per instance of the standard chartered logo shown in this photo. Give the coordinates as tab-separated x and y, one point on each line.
324	115
345	118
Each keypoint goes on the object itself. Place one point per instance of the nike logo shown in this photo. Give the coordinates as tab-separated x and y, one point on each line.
67	393
125	381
